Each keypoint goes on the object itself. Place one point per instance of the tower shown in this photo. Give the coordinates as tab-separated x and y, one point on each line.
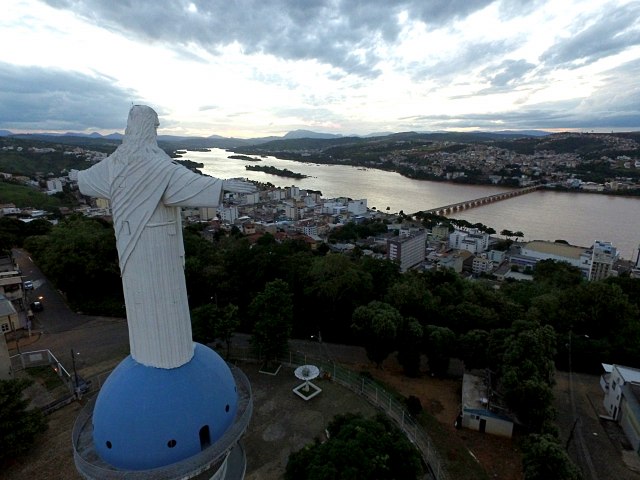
172	408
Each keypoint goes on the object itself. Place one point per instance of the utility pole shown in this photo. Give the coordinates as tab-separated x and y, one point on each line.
75	374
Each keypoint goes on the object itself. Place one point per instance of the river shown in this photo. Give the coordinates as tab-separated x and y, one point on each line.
579	218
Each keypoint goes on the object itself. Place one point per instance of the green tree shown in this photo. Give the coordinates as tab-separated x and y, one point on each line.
410	296
209	323
202	321
358	448
335	286
409	343
79	256
19	424
11	233
557	275
272	312
527	374
472	349
544	459
376	324
440	342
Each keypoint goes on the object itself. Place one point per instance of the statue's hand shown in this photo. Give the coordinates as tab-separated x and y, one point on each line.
238	186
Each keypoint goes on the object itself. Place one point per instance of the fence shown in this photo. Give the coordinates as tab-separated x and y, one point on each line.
365	387
39	358
375	394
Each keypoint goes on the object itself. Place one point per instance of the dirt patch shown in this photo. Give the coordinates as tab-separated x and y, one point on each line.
499	457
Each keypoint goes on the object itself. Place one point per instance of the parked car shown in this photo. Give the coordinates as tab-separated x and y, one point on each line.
28	285
36	306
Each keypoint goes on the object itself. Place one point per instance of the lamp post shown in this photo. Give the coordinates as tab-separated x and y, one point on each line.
75	373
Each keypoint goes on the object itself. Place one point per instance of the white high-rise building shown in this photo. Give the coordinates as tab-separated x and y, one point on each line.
408	251
603	256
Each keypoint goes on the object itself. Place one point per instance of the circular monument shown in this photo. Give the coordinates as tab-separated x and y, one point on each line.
149	417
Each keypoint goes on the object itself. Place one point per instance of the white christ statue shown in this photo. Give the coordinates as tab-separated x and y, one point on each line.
146	190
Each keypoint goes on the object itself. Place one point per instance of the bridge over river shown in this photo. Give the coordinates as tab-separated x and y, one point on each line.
478	202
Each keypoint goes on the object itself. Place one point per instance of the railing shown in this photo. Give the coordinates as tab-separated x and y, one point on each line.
39	358
375	394
365	387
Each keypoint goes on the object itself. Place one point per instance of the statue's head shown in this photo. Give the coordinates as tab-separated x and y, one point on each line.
142	125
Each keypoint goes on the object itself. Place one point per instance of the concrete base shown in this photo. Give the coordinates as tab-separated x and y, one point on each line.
307	390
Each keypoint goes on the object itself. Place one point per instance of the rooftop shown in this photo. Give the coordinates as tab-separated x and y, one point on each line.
553	248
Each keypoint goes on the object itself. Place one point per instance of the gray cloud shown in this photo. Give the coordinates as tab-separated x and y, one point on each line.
34	98
509	72
613	32
466	59
616	104
341	33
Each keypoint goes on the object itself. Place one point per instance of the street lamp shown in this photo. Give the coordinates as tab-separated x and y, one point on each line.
75	373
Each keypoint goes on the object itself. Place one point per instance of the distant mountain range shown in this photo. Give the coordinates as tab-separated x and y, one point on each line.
218	141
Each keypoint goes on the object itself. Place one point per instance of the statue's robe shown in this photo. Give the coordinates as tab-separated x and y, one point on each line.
146	193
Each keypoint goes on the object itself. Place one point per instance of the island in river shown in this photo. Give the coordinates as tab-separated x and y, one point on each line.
281	172
245	157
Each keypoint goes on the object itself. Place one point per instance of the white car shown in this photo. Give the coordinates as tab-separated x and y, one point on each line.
28	285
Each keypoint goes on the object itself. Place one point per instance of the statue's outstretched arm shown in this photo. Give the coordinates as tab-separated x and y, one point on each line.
238	186
94	181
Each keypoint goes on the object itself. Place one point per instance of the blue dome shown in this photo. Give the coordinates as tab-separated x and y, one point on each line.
148	417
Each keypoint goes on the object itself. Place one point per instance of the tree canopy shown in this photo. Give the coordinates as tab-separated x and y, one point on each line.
358	449
272	312
19	424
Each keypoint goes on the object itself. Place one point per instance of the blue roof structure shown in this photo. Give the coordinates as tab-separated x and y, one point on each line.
148	417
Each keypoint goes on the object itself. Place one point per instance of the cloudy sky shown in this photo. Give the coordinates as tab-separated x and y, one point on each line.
249	68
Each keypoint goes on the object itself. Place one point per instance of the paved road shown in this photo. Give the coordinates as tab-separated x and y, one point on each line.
59	329
595	445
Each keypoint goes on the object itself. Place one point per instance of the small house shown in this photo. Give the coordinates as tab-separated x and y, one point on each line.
480	411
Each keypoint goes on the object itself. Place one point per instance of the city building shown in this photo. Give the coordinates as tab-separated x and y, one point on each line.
603	257
54	186
9	320
621	387
408	251
579	257
357	207
229	214
472	240
440	232
481	264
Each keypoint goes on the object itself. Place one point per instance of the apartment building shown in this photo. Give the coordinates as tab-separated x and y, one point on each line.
408	250
603	256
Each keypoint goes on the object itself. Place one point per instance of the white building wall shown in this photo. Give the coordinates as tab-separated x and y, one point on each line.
630	425
252	198
357	207
291	211
277	194
496	256
293	192
549	256
229	214
54	185
408	251
310	230
455	239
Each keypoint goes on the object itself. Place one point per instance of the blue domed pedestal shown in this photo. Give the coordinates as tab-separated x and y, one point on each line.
148	417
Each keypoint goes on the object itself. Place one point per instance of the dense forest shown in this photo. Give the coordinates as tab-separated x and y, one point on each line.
80	257
521	332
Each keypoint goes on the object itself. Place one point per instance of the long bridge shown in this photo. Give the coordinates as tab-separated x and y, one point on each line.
478	202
